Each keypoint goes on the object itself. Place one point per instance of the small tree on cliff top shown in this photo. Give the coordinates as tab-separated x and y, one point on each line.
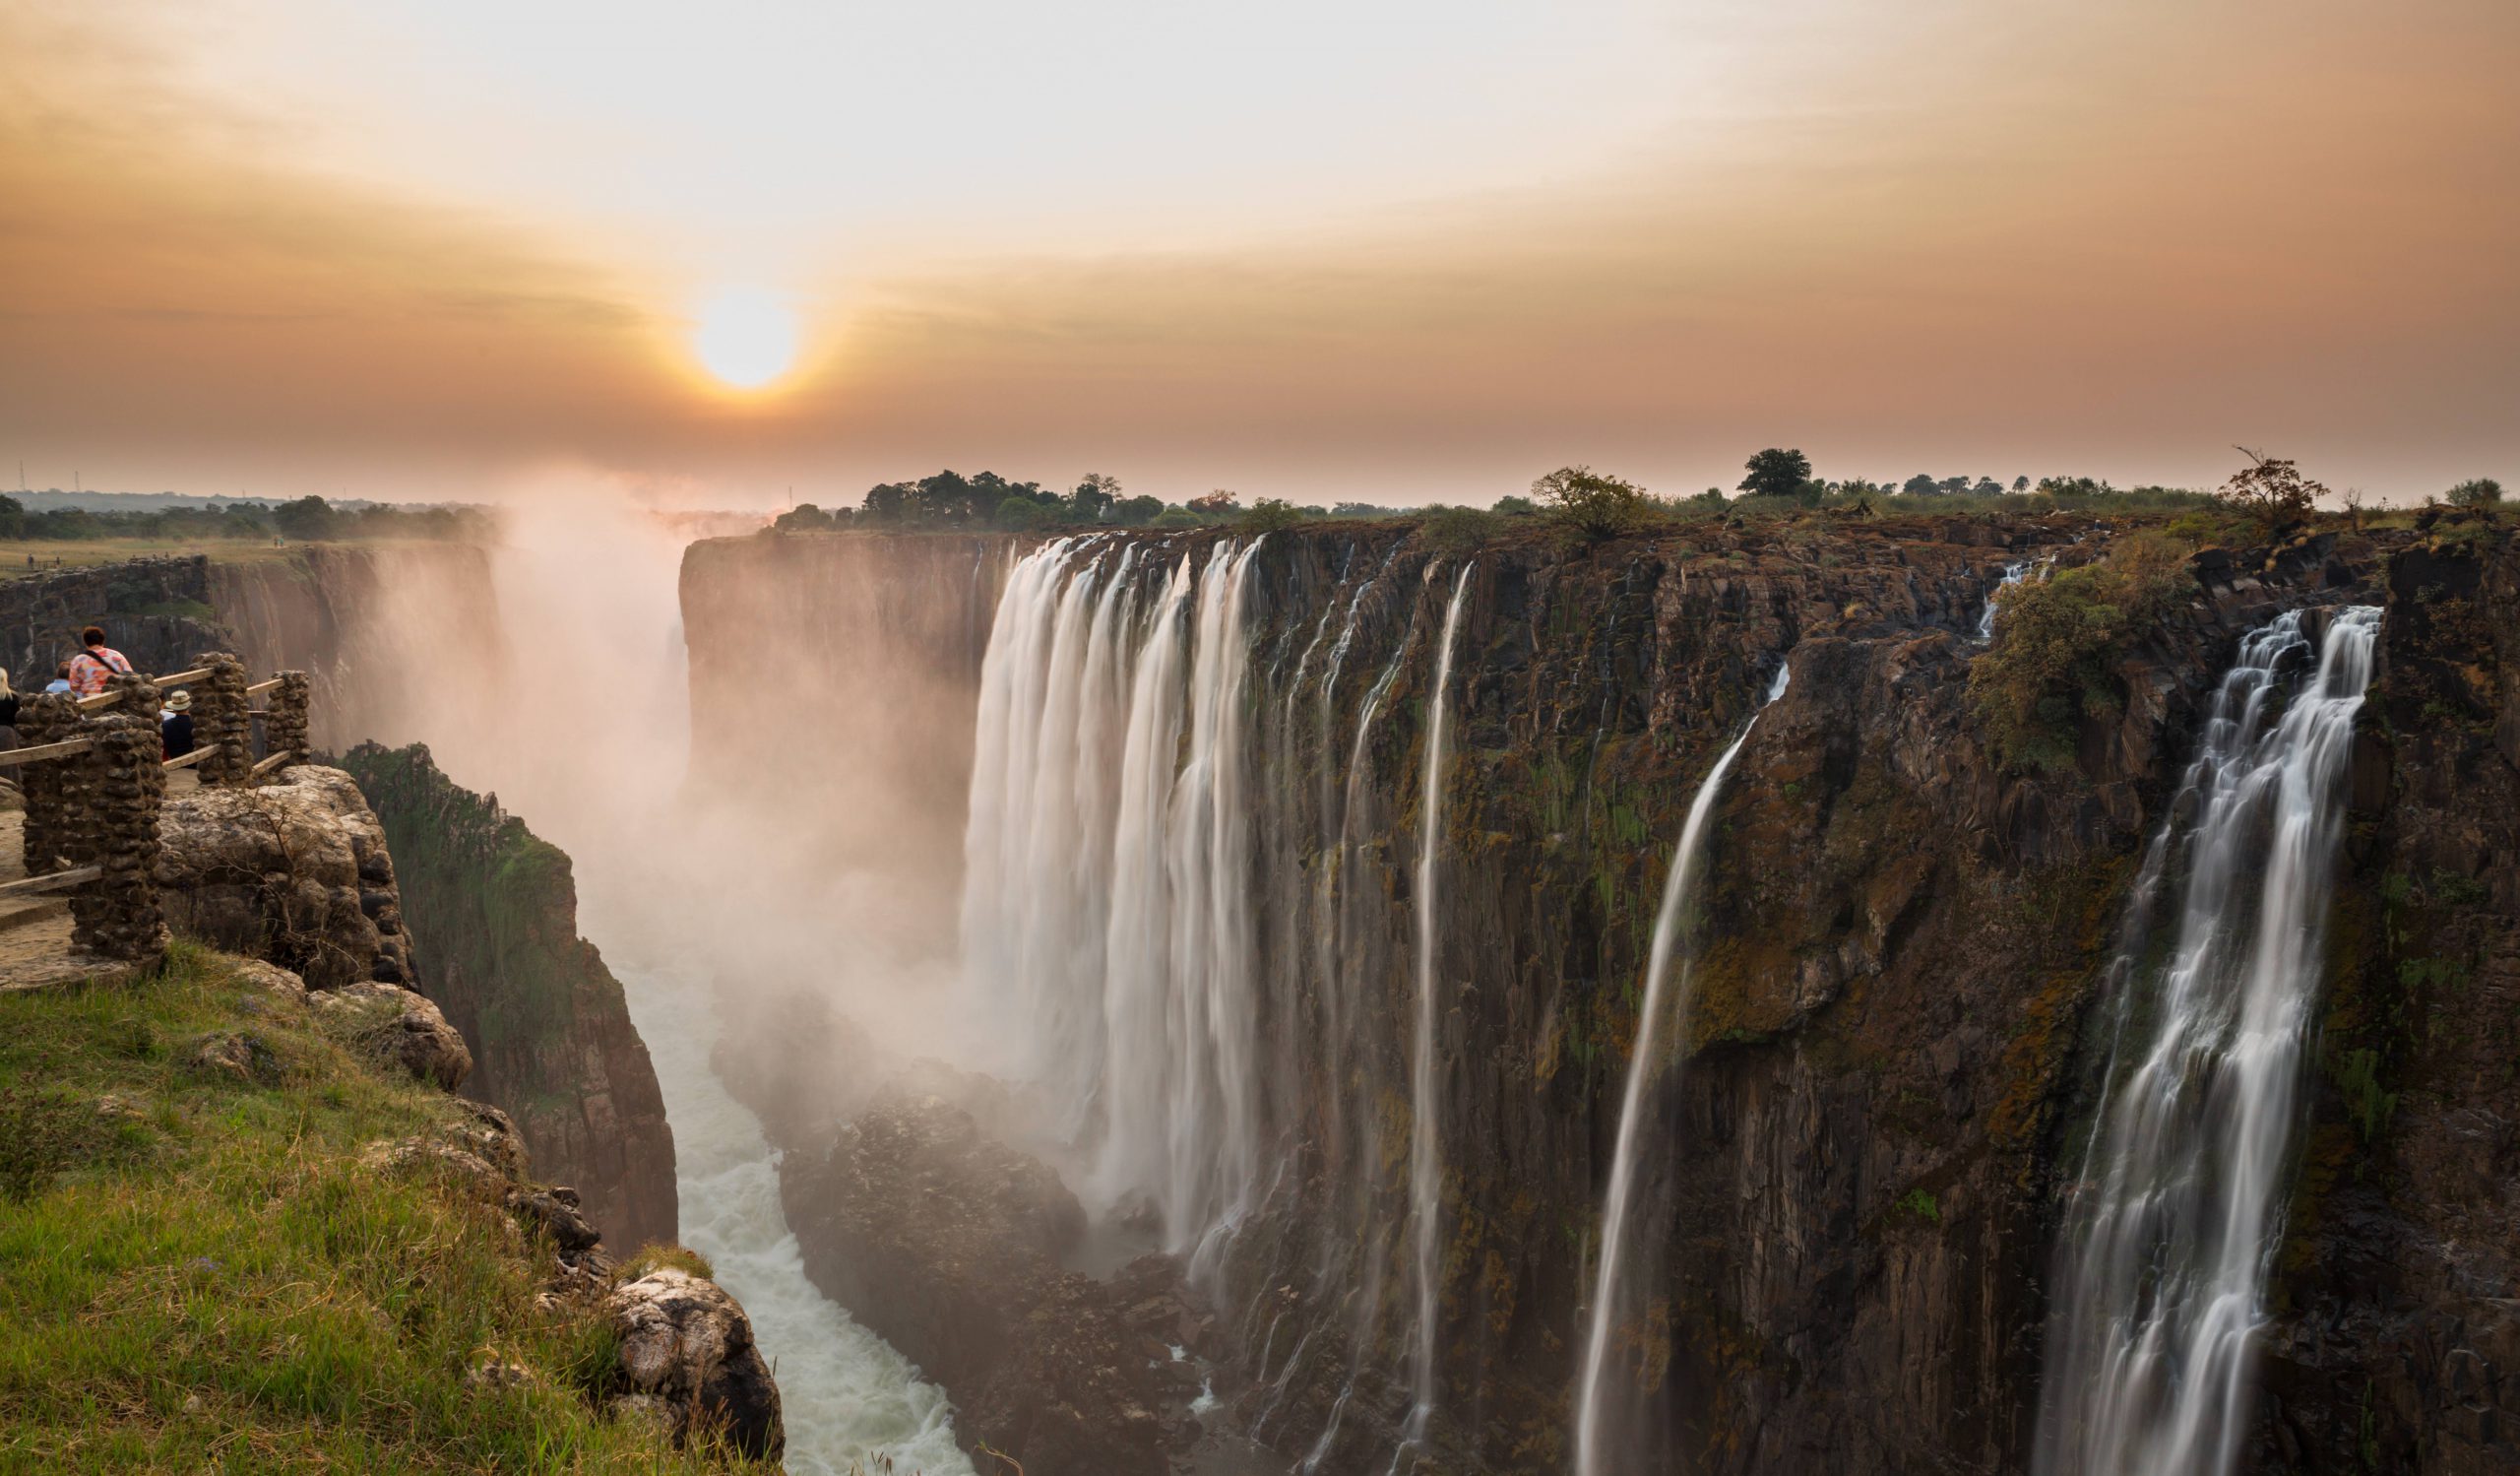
1776	473
2272	491
1592	503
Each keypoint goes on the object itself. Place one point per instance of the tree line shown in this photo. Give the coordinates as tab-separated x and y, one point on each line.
305	519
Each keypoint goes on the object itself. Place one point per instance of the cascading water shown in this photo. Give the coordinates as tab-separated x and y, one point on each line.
2173	1229
1118	916
1612	1296
1177	892
1426	1151
1987	618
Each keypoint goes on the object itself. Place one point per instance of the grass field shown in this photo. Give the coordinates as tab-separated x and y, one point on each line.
79	554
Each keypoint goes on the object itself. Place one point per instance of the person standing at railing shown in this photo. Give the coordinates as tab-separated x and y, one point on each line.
8	714
175	724
97	664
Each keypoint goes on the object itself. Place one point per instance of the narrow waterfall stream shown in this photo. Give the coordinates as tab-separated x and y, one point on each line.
2174	1223
1426	1112
1598	1450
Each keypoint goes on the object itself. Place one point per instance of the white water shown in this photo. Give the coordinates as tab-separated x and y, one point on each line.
850	1399
1987	618
2174	1225
1117	921
1426	1112
1643	1067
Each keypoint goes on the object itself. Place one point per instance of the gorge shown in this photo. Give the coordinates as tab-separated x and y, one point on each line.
1529	1032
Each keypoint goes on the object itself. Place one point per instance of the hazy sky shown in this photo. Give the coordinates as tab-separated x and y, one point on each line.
1391	251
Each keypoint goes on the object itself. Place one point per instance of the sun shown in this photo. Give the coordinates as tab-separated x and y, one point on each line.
746	337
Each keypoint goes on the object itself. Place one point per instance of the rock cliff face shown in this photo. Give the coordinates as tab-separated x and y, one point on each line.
1887	1068
158	611
493	911
365	622
2396	1345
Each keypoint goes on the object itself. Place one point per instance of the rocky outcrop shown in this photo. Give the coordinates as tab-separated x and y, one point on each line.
687	1347
398	1026
494	911
296	872
948	1244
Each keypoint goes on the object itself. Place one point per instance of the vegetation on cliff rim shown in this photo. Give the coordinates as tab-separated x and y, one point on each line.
213	1275
2057	643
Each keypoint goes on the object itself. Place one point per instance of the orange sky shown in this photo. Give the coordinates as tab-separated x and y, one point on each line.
1989	238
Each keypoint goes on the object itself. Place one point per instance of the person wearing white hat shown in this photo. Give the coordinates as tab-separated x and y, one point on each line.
175	724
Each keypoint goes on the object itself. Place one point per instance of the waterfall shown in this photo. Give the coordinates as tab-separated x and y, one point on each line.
2174	1223
1611	1292
1987	618
1107	889
1426	1151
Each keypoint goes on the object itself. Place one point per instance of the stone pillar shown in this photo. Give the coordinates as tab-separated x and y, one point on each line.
52	834
285	730
219	706
117	788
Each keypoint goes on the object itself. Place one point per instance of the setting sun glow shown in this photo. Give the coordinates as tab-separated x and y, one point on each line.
746	337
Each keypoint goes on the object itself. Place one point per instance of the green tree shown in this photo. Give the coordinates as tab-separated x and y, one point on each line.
1221	503
306	519
1137	512
1017	513
2482	491
1515	505
1270	514
1590	502
1776	473
1093	496
2021	483
1920	486
805	517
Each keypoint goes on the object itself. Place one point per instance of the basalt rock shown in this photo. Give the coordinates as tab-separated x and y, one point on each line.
689	1347
400	1026
492	911
296	872
948	1242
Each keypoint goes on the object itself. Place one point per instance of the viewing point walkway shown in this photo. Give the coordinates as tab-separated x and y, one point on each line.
78	883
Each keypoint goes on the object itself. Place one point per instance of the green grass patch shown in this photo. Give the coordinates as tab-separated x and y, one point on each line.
196	1271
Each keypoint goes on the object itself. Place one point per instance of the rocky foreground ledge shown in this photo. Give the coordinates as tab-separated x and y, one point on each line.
241	1212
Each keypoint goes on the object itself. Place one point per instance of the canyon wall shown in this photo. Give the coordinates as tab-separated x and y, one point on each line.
493	910
158	611
1888	1071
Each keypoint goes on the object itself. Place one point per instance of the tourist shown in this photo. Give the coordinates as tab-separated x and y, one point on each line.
8	714
96	665
175	724
60	682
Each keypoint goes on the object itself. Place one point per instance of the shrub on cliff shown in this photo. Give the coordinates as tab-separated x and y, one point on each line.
2058	642
1458	530
2272	492
2482	491
1592	503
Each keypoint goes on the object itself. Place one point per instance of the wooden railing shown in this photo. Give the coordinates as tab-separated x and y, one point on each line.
94	775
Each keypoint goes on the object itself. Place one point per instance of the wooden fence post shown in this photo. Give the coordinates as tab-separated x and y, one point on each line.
219	706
